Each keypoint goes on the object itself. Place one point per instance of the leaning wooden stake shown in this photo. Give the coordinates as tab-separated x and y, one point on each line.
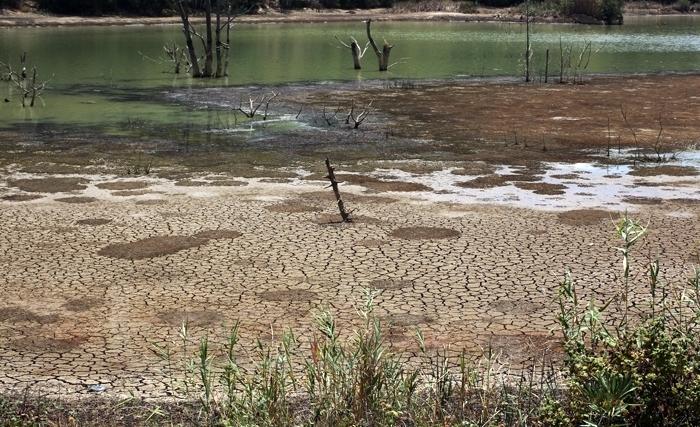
334	184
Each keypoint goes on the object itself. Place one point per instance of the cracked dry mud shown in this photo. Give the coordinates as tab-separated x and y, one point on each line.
89	288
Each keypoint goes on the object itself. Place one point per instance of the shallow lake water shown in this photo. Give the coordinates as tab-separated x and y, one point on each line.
102	75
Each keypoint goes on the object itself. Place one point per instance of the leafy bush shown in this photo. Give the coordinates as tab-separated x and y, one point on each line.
637	370
683	6
14	4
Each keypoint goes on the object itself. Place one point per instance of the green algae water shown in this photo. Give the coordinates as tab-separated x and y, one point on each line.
104	75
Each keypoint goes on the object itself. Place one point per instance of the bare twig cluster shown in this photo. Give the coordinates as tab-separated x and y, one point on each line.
355	116
25	80
254	104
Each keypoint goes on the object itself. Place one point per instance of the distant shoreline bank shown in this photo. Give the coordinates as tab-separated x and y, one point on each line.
23	19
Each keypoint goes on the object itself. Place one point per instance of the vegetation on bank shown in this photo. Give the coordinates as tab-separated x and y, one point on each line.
608	11
631	360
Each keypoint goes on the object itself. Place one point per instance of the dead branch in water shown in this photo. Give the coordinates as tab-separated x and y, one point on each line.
357	52
29	85
254	105
357	120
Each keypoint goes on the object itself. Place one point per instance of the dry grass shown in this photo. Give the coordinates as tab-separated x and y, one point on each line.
425	233
151	247
49	185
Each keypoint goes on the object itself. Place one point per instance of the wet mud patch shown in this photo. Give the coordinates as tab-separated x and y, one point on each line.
686	202
152	202
566	176
518	177
218	234
151	247
293	206
79	305
424	233
542	188
671	170
46	344
635	200
484	182
123	185
292	295
382	186
585	216
196	318
77	200
391	284
19	315
93	221
129	193
21	197
49	185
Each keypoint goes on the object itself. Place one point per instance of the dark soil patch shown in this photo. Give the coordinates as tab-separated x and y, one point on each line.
276	180
151	247
634	200
585	216
670	170
49	185
424	233
566	176
481	182
196	318
16	314
293	206
687	202
79	305
288	295
21	197
94	221
389	284
44	344
218	234
123	185
381	185
152	202
542	188
521	177
77	200
129	193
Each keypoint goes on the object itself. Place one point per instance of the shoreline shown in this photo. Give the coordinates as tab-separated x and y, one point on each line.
505	15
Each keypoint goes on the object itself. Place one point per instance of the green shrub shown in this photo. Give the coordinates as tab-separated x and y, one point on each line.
468	7
639	369
683	6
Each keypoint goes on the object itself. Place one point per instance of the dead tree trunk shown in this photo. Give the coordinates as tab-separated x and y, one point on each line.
334	184
219	47
382	55
208	49
187	30
357	52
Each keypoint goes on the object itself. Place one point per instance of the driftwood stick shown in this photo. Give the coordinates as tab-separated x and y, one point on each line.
334	184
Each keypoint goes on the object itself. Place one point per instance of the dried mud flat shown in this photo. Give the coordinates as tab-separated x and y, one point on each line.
84	305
